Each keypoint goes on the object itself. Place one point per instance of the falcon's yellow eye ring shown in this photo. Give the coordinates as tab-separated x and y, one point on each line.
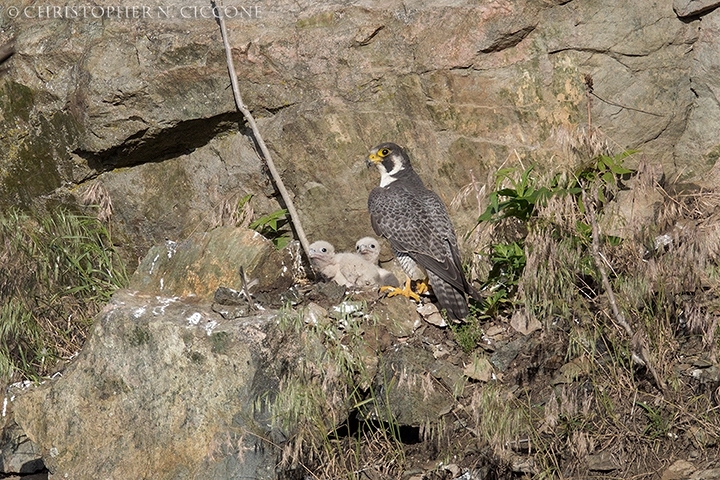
384	152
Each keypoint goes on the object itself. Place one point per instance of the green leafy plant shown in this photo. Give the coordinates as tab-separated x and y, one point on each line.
467	335
508	262
273	226
658	426
519	200
606	168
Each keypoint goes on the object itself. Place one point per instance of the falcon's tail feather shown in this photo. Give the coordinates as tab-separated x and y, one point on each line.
452	300
473	292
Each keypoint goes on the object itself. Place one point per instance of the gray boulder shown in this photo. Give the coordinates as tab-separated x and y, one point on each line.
162	389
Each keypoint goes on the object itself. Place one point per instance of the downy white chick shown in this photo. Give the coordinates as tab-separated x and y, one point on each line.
345	269
369	249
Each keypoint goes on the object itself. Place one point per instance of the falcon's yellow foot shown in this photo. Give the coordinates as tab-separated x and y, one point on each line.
422	286
406	291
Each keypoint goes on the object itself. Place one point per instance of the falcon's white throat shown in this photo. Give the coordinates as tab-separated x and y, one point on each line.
386	178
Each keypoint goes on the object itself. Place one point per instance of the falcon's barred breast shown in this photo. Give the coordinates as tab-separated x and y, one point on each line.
417	225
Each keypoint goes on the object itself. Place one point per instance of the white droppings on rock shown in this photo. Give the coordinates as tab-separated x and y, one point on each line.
171	247
164	302
210	326
194	319
154	262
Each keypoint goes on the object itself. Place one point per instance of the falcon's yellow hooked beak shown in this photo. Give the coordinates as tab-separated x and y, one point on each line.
373	159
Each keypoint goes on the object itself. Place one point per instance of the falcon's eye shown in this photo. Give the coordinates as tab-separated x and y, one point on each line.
384	152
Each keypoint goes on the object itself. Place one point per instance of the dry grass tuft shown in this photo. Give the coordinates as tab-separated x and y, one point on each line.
56	271
328	411
235	210
499	419
582	141
98	197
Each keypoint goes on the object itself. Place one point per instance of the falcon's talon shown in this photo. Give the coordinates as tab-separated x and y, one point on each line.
422	287
406	291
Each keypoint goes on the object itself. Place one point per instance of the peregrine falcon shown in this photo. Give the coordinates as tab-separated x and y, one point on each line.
416	222
347	269
369	249
322	257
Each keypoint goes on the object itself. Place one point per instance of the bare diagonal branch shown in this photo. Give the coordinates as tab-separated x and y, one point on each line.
258	138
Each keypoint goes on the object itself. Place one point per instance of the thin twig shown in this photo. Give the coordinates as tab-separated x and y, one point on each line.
256	132
597	256
246	284
637	341
588	92
639	110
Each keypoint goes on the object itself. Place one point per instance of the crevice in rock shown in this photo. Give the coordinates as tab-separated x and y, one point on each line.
152	145
275	110
19	456
356	423
462	67
601	51
367	39
39	475
508	40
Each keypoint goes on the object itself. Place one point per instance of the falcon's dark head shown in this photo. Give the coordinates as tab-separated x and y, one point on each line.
391	160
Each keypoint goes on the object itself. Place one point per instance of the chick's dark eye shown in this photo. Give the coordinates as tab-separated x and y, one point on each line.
324	250
372	246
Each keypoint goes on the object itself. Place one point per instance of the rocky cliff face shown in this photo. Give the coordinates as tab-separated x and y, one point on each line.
139	102
132	111
193	381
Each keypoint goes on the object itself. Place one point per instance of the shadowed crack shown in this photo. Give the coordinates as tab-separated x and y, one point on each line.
7	50
508	40
155	145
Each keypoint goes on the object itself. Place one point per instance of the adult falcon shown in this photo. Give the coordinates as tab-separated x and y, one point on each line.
418	227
